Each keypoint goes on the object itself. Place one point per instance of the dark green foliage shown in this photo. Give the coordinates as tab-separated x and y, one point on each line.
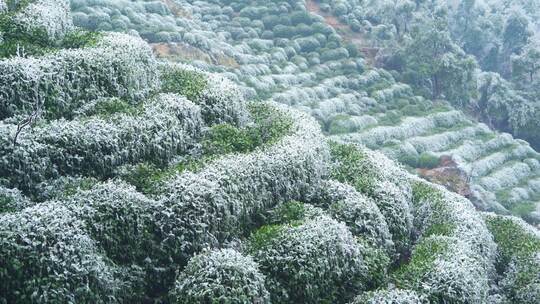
83	184
428	160
347	170
184	82
512	240
17	41
267	126
144	176
262	237
80	38
423	256
377	261
292	212
106	107
225	139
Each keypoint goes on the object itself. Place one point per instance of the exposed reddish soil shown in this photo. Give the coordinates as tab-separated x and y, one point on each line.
448	174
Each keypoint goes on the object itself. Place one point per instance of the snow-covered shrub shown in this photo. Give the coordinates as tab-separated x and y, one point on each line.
166	126
52	17
12	200
444	269
47	257
217	203
317	262
3	6
222	274
117	65
519	257
118	218
453	260
393	296
63	187
220	100
394	204
357	211
381	179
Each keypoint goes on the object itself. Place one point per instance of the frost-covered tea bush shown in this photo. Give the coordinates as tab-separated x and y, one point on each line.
393	296
12	200
518	261
358	212
220	100
117	65
223	274
379	178
306	225
219	202
51	17
165	126
318	261
455	253
118	218
48	257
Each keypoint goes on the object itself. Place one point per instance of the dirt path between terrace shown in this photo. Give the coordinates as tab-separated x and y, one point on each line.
348	35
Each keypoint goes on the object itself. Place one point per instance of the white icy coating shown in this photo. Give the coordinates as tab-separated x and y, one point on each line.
168	125
119	65
217	198
51	16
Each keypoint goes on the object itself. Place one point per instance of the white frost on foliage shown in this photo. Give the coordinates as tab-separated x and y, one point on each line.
47	239
319	259
392	296
118	66
12	200
465	270
168	125
409	127
221	274
221	100
211	206
357	211
51	16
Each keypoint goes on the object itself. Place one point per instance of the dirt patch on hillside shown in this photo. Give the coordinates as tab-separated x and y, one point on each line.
448	174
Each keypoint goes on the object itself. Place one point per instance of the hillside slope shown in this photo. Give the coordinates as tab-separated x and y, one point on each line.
126	179
299	60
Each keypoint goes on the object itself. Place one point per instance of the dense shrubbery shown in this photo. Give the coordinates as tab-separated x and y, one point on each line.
12	200
317	261
223	275
48	257
216	172
357	211
219	99
56	84
518	262
220	201
380	179
164	126
453	259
